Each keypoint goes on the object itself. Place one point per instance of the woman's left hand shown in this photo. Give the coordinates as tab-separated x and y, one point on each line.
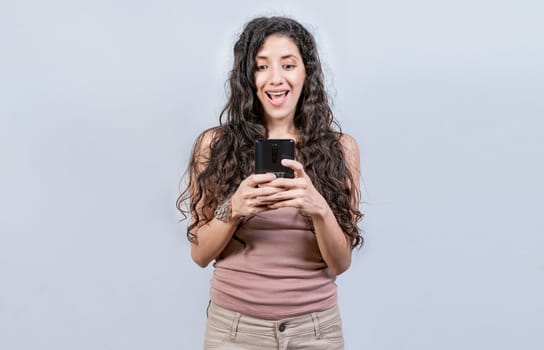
298	192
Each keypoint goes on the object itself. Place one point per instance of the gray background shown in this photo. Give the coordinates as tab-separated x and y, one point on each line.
100	104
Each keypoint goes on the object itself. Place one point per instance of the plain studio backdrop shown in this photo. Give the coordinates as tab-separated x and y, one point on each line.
100	102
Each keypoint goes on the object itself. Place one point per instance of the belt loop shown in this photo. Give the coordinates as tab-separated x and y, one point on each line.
234	326
317	331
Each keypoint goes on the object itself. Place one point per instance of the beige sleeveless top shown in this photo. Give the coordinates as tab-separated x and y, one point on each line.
279	272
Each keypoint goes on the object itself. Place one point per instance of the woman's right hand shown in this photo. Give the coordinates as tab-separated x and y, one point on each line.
247	200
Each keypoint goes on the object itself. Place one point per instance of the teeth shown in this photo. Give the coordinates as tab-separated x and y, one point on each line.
277	93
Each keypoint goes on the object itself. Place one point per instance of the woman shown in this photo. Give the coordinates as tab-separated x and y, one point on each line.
278	243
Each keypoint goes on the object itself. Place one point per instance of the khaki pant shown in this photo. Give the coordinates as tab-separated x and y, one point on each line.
229	330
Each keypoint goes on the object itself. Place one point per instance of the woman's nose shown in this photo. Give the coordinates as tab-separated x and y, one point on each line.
276	76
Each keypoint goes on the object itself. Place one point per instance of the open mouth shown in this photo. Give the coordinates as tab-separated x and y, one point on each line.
277	98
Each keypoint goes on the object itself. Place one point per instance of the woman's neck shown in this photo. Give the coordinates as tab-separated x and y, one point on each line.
281	129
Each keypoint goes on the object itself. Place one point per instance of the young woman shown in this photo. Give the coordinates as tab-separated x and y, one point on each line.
277	243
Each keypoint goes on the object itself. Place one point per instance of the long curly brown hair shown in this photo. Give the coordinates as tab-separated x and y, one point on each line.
231	149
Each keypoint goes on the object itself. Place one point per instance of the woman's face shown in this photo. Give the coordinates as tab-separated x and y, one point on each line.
279	77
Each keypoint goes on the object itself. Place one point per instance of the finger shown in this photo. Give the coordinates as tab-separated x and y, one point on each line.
287	183
264	191
296	166
257	179
264	203
268	199
294	203
283	196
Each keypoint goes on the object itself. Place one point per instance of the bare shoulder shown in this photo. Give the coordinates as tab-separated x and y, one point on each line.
351	157
202	147
351	153
204	141
349	144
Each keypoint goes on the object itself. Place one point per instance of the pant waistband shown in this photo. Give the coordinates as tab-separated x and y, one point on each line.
291	326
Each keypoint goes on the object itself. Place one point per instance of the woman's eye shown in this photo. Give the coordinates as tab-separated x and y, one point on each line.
289	66
261	67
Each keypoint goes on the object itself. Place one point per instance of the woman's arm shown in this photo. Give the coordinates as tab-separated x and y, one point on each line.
212	237
334	245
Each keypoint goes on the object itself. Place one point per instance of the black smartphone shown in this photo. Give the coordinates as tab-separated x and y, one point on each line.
268	156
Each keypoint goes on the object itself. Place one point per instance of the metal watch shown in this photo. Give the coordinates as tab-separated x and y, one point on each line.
224	211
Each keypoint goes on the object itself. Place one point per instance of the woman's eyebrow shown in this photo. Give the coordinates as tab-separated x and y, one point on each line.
289	56
282	57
